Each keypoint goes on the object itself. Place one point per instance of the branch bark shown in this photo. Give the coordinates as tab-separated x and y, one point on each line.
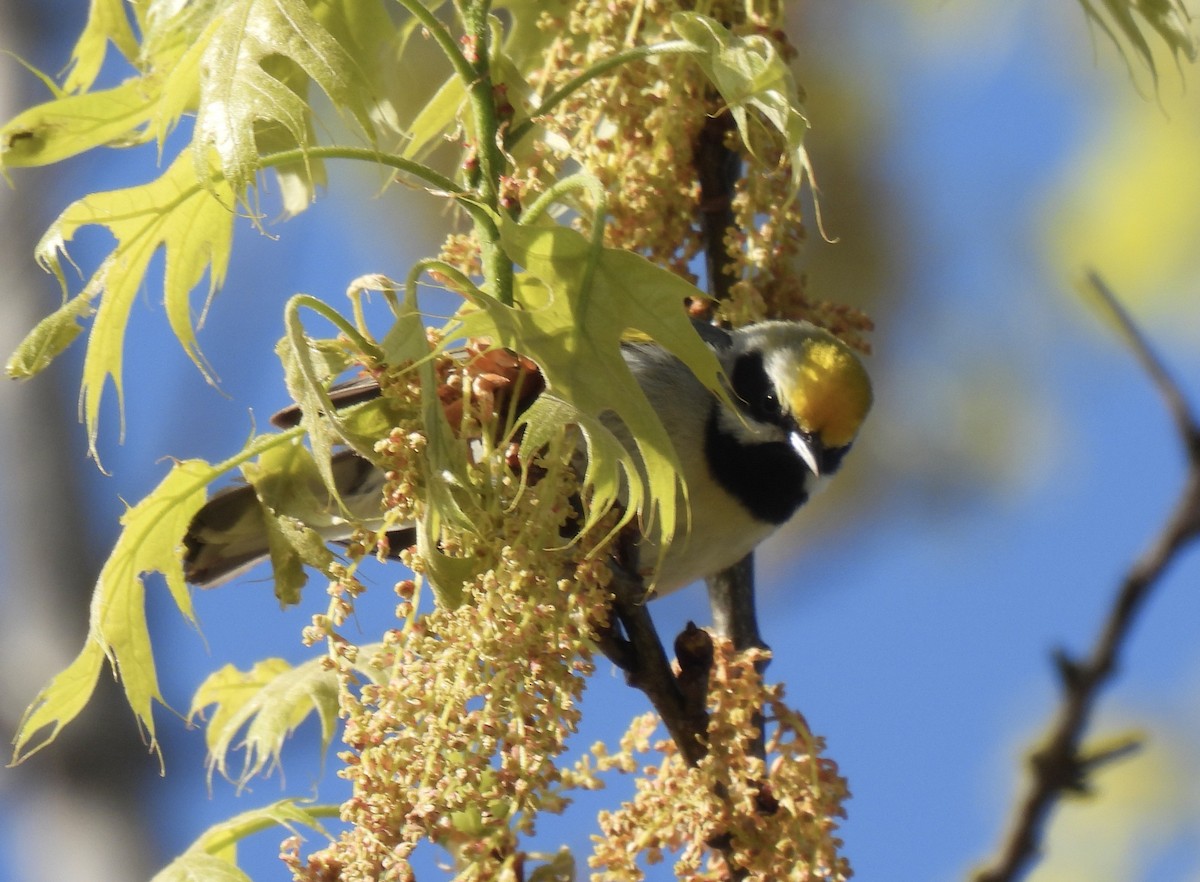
1058	767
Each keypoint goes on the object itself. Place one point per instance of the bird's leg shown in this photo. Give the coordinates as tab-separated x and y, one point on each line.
735	617
731	596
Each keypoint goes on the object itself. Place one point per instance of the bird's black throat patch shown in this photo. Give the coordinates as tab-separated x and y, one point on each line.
769	479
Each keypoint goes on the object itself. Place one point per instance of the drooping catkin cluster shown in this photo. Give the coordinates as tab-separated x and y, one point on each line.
458	741
772	821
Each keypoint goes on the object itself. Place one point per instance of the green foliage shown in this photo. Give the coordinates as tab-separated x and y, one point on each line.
190	218
270	701
756	84
117	631
577	304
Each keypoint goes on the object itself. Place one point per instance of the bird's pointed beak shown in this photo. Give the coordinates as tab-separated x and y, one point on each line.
810	449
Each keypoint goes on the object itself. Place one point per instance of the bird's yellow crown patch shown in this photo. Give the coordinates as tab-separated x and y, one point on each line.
827	389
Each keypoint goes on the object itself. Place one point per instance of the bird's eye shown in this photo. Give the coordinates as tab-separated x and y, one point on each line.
752	385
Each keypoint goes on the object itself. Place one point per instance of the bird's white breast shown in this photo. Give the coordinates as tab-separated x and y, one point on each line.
714	529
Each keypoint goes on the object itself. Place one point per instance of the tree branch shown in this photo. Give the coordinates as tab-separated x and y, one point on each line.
640	654
1058	766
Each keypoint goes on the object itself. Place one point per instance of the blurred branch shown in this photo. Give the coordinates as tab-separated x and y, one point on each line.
1058	766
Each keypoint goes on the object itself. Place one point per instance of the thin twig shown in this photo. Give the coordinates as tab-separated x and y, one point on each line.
1058	768
640	654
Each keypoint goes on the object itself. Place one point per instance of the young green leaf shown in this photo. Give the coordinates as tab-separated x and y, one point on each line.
189	217
117	628
750	74
296	505
194	866
270	701
107	21
309	366
48	339
70	125
274	699
241	88
150	541
436	118
59	702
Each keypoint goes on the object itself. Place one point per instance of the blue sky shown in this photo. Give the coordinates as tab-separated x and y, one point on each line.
916	635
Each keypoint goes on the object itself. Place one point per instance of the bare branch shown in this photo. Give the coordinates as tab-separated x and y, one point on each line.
641	656
1058	766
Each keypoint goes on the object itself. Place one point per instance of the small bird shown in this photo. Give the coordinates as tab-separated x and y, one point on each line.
800	396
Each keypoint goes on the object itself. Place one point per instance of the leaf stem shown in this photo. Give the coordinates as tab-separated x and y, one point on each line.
335	318
432	265
393	160
365	154
219	844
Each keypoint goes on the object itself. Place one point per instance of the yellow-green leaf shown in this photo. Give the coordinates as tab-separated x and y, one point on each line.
270	701
189	218
436	118
296	503
59	702
200	867
117	629
48	339
213	856
150	541
288	813
750	74
72	124
240	90
107	21
227	691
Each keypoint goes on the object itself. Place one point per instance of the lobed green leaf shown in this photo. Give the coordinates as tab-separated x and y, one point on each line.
269	701
117	629
150	541
249	78
750	74
189	218
107	22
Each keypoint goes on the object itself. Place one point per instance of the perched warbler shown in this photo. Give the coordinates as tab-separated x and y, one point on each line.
799	395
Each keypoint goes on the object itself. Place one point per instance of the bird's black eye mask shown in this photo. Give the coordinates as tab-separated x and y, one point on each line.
757	394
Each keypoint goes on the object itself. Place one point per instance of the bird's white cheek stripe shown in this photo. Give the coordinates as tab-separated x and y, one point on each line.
805	452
